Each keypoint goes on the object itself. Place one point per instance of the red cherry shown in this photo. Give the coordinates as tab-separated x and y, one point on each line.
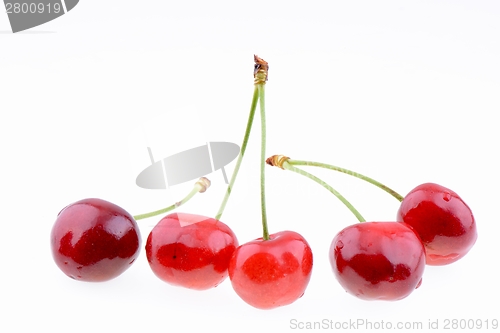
191	251
378	260
94	240
271	273
443	221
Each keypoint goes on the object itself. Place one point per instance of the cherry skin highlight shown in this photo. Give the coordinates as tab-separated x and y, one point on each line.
94	240
378	260
270	273
443	221
190	251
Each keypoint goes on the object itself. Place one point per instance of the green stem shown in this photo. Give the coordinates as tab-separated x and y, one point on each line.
265	230
242	152
201	185
351	173
288	166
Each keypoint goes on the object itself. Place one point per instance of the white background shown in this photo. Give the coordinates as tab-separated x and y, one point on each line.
406	92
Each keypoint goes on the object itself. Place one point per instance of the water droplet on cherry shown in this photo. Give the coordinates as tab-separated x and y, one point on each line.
366	266
442	220
190	251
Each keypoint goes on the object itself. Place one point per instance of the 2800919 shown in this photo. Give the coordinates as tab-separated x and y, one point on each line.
453	324
32	8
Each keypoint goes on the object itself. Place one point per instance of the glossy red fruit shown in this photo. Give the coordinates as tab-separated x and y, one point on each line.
190	251
94	240
443	221
378	260
271	273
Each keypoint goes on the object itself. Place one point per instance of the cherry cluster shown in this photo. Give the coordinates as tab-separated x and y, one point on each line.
95	240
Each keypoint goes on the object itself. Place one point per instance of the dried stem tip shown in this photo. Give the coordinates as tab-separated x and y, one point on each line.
260	70
277	160
204	183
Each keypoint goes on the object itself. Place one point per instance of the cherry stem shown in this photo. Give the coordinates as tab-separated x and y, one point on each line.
260	77
200	186
241	154
282	162
265	231
243	148
351	173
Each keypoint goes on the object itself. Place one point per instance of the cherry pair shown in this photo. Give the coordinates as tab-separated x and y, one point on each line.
198	252
386	260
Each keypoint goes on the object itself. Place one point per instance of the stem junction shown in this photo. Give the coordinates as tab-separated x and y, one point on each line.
283	162
260	77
